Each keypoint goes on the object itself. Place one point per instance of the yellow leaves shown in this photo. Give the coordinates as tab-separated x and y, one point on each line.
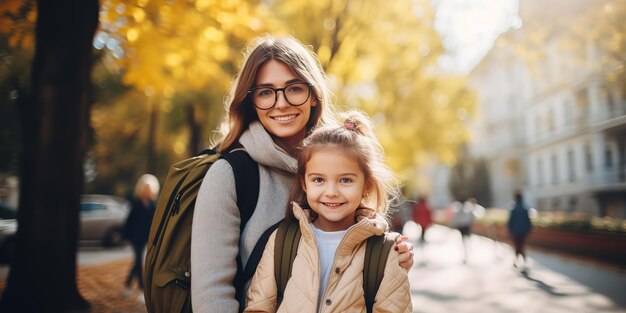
183	45
10	7
132	34
202	5
213	34
139	15
17	22
31	16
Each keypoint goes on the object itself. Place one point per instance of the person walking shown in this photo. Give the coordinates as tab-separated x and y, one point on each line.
422	215
340	198
463	217
278	96
137	228
519	226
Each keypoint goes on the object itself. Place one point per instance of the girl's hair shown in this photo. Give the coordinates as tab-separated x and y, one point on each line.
152	182
355	137
299	59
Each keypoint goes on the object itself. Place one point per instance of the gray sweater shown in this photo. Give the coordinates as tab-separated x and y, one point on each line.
215	228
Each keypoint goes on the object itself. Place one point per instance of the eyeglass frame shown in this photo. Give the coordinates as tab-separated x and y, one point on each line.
276	90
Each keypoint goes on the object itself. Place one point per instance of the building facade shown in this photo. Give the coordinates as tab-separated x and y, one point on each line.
553	125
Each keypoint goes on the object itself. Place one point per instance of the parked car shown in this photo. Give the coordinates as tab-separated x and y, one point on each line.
102	220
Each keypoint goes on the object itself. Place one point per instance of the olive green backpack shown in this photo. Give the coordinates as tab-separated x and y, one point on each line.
167	264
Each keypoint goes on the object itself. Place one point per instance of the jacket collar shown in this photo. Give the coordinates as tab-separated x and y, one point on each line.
368	223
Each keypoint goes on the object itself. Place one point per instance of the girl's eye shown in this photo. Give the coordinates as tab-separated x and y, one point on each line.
317	180
345	180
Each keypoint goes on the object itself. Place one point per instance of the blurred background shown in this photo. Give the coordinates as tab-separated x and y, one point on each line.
471	98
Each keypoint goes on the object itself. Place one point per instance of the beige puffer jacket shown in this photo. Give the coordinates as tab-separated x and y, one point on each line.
345	285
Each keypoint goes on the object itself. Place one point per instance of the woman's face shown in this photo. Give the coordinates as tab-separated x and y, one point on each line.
283	121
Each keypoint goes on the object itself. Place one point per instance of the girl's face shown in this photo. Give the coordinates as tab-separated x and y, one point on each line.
285	122
334	184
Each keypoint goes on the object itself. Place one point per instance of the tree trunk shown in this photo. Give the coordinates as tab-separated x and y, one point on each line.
54	133
195	131
152	135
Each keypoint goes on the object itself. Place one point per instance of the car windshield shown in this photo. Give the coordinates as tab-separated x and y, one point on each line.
87	207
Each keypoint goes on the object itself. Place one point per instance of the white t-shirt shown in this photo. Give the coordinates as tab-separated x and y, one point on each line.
327	243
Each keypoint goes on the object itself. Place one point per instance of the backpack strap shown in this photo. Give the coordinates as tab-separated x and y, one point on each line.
246	172
257	252
376	253
285	250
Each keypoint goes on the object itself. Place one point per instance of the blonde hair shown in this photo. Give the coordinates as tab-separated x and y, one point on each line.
303	62
150	181
356	137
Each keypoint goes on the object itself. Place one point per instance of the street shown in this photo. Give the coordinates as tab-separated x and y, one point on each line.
488	282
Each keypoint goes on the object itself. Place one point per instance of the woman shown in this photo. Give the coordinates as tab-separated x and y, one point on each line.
279	94
137	227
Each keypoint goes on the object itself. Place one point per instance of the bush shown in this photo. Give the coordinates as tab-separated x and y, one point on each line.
577	221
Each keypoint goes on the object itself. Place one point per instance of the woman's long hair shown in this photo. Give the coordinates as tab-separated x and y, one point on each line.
299	59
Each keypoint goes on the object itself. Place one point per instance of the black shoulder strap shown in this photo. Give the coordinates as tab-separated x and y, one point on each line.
285	250
246	173
257	252
376	253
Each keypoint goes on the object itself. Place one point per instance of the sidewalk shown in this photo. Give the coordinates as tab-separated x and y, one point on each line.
440	281
102	286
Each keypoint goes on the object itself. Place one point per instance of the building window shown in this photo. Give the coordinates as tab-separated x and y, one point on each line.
555	172
582	106
569	115
588	159
608	158
571	166
610	101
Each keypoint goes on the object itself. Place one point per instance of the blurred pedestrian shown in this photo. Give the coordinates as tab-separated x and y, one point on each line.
463	217
137	227
519	227
422	215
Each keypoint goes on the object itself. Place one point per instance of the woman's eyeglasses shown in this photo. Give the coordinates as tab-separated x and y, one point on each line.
265	98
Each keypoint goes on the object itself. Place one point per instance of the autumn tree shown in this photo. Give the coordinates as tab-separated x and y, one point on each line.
182	55
381	58
54	123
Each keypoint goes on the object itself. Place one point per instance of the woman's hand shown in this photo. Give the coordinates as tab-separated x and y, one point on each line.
405	252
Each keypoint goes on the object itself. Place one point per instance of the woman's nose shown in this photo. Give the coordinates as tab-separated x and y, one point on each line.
281	100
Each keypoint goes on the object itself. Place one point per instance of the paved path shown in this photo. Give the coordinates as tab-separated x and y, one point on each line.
488	282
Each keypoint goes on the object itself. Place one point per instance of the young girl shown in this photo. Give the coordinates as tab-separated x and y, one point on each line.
278	96
340	197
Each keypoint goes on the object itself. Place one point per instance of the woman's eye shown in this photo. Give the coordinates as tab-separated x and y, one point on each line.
265	93
294	89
